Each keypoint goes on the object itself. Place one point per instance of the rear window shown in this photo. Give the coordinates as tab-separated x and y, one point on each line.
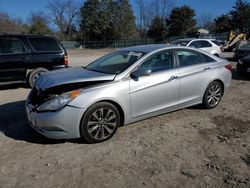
216	42
9	45
44	44
181	42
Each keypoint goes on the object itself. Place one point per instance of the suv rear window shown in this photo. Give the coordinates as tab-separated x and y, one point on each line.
44	44
9	45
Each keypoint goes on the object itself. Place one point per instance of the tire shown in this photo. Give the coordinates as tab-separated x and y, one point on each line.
213	94
100	122
34	75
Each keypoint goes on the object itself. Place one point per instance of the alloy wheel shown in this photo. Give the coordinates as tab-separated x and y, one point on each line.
102	123
214	95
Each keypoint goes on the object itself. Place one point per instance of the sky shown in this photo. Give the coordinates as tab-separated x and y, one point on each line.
22	8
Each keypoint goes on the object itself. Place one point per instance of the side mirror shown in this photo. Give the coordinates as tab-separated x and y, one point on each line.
141	72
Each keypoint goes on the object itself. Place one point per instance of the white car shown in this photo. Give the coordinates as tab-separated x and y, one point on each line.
208	45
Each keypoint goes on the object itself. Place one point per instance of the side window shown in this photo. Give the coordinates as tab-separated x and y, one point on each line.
205	44
196	44
188	58
208	59
44	44
10	45
159	62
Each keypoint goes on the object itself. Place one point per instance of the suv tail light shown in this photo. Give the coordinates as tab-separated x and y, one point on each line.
66	60
228	67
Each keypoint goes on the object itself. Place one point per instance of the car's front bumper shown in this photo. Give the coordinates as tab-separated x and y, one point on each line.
62	124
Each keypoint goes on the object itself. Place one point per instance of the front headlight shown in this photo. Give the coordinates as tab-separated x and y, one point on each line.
58	102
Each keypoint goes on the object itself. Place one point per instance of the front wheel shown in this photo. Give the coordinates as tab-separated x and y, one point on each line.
100	122
212	96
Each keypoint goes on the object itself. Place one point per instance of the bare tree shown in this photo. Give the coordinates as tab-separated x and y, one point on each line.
205	21
10	25
162	8
38	23
63	13
149	9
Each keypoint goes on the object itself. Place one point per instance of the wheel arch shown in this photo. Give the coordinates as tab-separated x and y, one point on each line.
117	105
221	82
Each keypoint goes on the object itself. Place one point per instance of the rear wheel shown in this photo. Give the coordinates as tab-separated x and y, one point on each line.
100	122
212	96
34	75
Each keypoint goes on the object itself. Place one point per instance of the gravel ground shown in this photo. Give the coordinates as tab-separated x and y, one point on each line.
187	148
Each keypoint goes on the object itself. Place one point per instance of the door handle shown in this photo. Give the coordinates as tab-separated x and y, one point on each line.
173	78
207	68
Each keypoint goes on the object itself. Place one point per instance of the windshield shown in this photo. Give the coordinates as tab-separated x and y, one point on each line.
115	63
181	42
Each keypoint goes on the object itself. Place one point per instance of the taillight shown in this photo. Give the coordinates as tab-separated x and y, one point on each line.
66	60
228	67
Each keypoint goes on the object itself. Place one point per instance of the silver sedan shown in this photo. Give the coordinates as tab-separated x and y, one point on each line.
122	87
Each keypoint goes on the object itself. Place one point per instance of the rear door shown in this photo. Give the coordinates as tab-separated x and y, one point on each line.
14	57
195	70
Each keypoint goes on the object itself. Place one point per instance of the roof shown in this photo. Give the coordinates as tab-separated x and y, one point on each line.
189	39
146	48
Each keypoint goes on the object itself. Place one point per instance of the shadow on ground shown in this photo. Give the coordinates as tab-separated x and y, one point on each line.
13	86
13	124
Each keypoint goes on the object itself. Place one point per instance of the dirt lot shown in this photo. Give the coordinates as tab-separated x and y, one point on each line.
186	148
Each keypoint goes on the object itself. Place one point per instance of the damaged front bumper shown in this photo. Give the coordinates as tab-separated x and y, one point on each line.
62	124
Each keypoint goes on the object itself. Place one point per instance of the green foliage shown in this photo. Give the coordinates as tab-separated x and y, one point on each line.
39	24
223	24
238	19
107	19
123	20
240	16
182	21
93	20
157	29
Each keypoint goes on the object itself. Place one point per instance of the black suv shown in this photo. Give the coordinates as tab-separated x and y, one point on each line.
242	55
23	58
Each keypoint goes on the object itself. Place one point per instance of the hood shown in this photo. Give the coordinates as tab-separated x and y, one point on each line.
70	75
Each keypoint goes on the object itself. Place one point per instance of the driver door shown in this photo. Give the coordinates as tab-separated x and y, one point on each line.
157	91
